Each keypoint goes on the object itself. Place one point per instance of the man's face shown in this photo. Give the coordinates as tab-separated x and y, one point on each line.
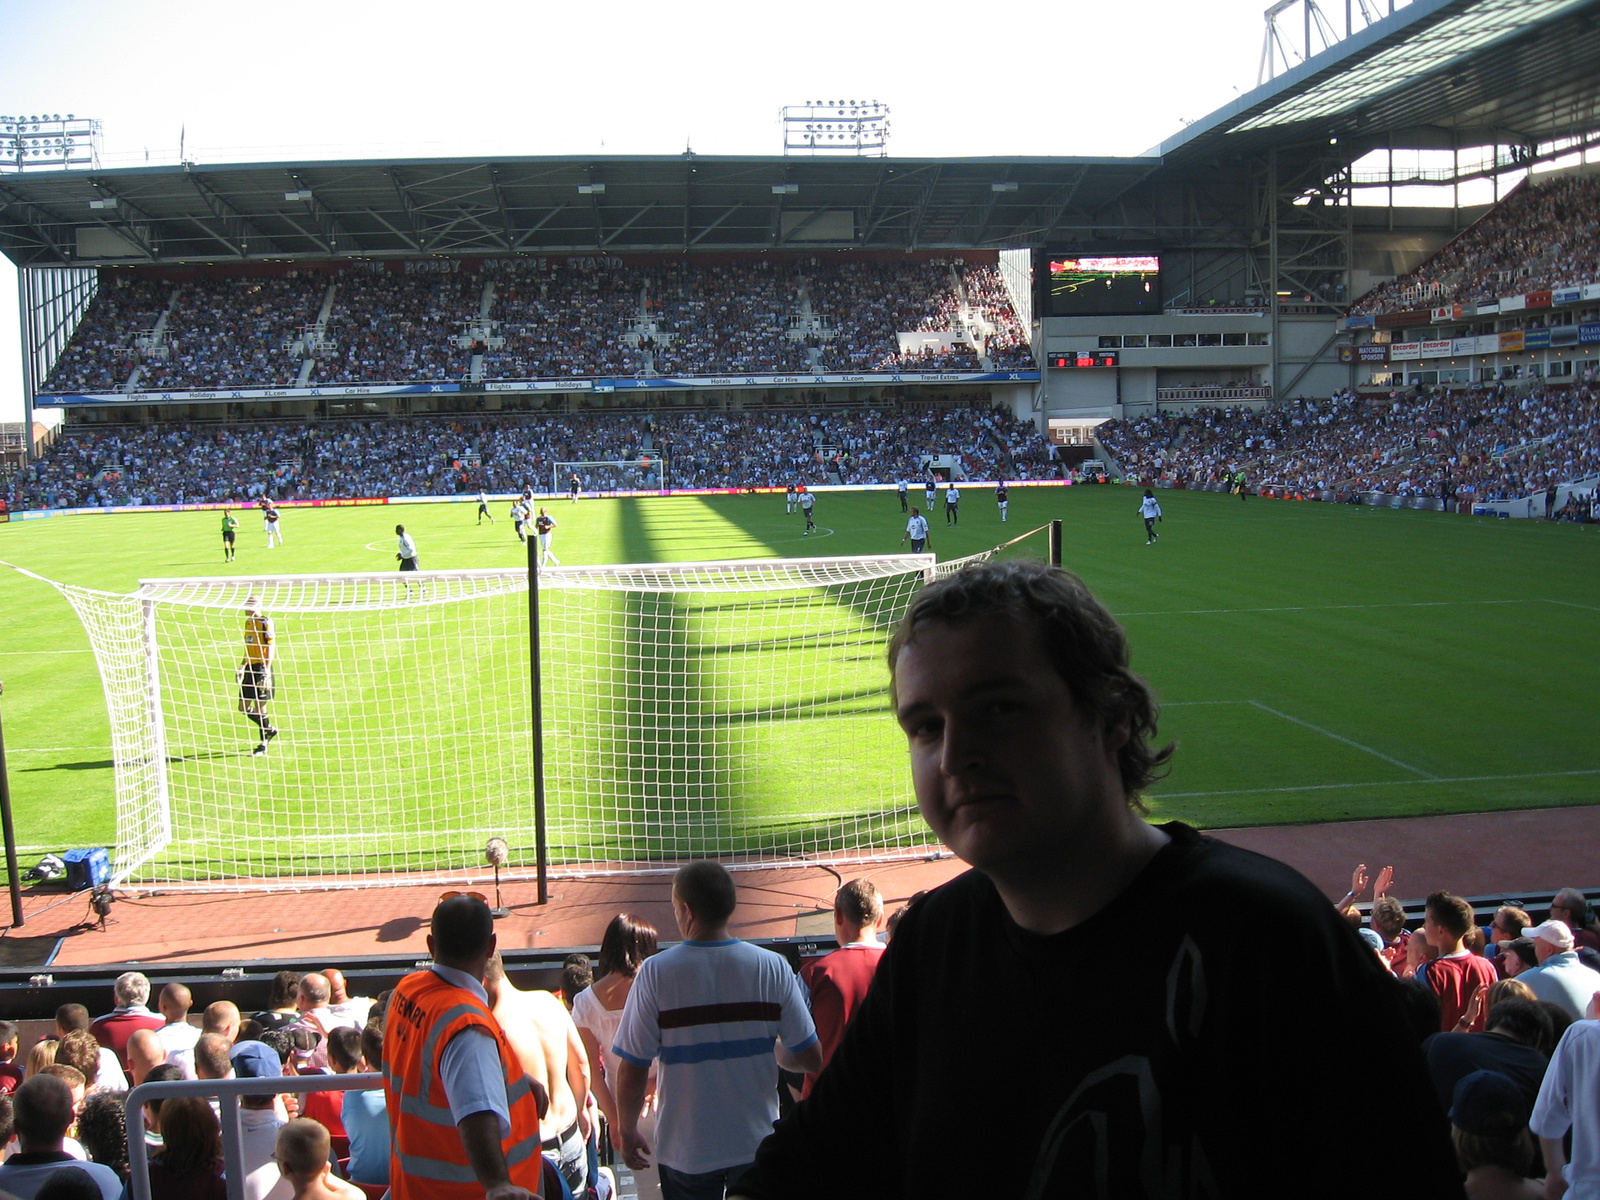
1007	773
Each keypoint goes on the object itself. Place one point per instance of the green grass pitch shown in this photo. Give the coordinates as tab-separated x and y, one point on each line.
1314	662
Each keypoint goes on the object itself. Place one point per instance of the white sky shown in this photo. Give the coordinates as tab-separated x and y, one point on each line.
305	79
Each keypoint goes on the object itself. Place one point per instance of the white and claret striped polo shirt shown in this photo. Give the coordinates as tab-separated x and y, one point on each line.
710	1012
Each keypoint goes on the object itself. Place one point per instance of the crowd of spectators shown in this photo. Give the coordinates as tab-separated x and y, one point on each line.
186	463
1543	236
1497	443
557	318
1501	1006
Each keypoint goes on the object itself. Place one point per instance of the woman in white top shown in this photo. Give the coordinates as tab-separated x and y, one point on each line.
597	1011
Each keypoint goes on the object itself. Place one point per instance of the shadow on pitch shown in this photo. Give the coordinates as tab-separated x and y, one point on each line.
101	765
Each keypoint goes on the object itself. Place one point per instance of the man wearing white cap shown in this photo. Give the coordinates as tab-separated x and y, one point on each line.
1559	978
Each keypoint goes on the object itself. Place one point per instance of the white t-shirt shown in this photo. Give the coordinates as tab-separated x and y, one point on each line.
710	1012
952	495
178	1040
408	548
1568	1098
917	528
1149	508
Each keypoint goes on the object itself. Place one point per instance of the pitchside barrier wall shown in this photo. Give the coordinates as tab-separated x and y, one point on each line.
506	497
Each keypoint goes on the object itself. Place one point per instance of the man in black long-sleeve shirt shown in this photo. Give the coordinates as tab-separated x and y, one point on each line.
1195	1063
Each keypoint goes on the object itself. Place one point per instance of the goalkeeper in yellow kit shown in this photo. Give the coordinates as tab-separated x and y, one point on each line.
255	672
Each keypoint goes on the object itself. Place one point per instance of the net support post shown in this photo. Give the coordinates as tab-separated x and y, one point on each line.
13	878
536	705
1055	542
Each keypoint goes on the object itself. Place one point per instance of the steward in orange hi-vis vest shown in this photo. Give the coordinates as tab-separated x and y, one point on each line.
429	1160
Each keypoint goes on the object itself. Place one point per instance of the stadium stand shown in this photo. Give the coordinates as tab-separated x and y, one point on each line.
184	463
1487	444
556	318
1542	236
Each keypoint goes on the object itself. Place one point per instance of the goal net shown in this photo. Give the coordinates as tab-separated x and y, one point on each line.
729	710
646	473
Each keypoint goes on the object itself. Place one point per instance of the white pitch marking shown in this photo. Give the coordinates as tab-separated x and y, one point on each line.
1570	604
1348	742
1195	612
46	651
58	749
1332	787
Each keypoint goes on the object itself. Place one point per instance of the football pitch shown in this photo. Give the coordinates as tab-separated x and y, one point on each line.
1314	662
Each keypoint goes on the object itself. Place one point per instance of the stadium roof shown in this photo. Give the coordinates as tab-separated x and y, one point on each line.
1436	74
546	205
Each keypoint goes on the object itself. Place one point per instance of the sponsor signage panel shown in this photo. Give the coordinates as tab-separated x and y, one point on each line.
1511	341
1569	295
1437	349
1537	299
1589	333
1513	303
1371	352
1535	339
1405	351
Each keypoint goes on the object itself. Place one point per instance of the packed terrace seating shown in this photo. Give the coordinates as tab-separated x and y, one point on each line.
1545	235
1517	969
556	318
1497	444
192	463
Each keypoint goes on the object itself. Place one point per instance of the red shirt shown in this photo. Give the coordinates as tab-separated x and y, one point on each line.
838	982
326	1109
1454	980
10	1077
114	1029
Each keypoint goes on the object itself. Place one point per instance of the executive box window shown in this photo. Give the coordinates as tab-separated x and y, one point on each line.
1133	341
1160	341
1233	339
1211	339
1110	341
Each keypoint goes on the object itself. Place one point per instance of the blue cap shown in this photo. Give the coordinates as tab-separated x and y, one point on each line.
1488	1102
255	1060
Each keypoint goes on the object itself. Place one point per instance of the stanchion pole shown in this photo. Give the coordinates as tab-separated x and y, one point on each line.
1055	542
10	832
536	702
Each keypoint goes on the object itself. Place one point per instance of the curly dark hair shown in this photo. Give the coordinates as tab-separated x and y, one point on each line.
103	1130
1087	648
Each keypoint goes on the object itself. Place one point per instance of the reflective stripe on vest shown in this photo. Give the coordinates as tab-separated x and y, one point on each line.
428	1159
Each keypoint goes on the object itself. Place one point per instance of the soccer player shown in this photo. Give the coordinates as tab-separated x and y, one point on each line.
274	529
902	490
952	499
917	531
255	673
519	517
230	527
807	501
544	524
483	508
1002	497
930	490
1150	510
574	486
790	501
407	553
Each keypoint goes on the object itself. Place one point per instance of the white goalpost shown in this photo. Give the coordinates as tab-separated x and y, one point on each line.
732	710
646	473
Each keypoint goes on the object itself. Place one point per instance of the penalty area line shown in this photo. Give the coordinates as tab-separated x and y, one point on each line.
1387	783
1347	741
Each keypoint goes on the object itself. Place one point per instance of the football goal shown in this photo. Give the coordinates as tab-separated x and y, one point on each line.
735	710
648	472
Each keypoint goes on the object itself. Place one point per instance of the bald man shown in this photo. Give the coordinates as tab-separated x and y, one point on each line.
177	1035
145	1053
354	1010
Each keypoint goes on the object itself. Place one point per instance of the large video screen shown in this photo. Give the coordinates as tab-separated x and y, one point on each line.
1092	285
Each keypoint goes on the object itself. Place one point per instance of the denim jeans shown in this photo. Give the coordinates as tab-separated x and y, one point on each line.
710	1185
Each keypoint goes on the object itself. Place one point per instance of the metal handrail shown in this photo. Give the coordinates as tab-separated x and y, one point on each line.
228	1092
